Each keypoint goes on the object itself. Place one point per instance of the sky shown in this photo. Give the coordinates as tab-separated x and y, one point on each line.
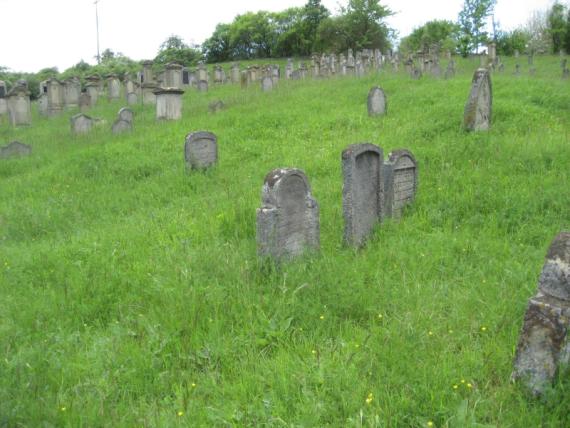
36	34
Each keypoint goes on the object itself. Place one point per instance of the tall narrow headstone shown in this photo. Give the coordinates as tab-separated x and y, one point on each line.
544	343
362	191
266	84
376	102
173	75
71	92
114	87
477	115
84	102
288	220
54	97
168	103
200	150
19	106
400	182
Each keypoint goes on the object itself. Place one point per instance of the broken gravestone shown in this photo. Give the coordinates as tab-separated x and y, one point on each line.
400	182
288	220
200	150
376	102
477	115
15	149
544	343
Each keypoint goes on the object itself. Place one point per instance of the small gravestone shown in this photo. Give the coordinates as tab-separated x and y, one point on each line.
296	75
200	150
81	123
288	220
168	103
400	182
266	84
126	114
362	191
132	98
544	343
477	114
84	102
121	126
216	106
376	102
15	149
517	70
501	67
202	86
416	74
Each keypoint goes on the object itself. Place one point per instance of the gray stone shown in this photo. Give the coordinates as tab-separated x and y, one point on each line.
19	106
42	105
202	86
81	123
376	102
544	343
132	98
400	182
362	191
15	149
121	126
71	93
84	102
478	110
216	106
54	97
168	103
288	220
4	90
173	75
126	114
114	87
266	84
201	150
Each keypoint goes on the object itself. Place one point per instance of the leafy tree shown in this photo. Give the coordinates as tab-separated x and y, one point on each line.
218	48
510	41
471	22
536	28
175	50
557	26
567	36
313	14
363	24
439	34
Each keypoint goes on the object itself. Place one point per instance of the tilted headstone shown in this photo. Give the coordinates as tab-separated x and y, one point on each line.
400	182
121	126
544	344
477	114
362	191
288	220
200	150
168	103
376	102
81	123
266	84
15	149
126	114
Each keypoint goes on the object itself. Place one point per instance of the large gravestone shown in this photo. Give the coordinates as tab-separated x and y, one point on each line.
400	182
288	220
477	115
544	344
173	75
168	103
376	102
200	150
362	191
132	98
15	149
114	87
81	124
19	106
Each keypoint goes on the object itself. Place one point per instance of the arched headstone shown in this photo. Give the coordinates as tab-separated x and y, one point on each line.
126	114
400	182
362	191
477	116
288	220
376	102
201	150
81	124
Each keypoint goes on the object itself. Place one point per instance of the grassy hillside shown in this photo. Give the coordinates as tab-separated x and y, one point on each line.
131	293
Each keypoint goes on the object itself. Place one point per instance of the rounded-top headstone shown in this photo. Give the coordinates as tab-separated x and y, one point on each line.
376	102
555	277
201	150
126	114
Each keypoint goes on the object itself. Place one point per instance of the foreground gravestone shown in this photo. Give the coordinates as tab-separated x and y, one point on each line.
15	149
266	84
544	343
477	114
376	102
200	150
81	124
168	103
362	191
288	220
400	182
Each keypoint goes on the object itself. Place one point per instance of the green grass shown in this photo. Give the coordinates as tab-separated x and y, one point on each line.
131	294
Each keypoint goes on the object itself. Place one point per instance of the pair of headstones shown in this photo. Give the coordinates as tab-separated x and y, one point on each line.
124	122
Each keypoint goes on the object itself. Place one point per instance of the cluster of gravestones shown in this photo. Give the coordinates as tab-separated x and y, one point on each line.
82	123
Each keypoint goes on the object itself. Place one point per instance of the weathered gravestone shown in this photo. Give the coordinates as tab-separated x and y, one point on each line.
54	97
544	343
84	102
362	191
168	103
400	182
81	123
132	98
19	106
266	84
477	114
113	87
3	90
121	126
15	149
173	75
565	73
71	92
216	106
200	150
517	70
288	220
126	114
376	102
202	86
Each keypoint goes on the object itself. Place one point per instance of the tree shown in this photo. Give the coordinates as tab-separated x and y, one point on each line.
567	36
175	50
510	41
218	48
433	35
557	26
471	22
363	24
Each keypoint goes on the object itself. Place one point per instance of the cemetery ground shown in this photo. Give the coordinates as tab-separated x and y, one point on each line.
131	293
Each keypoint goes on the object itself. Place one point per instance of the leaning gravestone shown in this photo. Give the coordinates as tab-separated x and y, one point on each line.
200	150
544	344
376	102
477	115
15	149
288	220
400	182
362	191
81	123
266	84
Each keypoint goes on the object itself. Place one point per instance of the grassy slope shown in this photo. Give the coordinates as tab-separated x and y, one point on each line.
131	293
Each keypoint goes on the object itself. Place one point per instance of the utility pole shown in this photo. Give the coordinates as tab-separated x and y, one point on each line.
97	23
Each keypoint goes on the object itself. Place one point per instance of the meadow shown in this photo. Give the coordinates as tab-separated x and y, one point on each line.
131	293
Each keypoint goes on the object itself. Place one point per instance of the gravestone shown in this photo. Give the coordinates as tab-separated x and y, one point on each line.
173	76
202	86
185	77
54	97
126	114
71	93
81	124
121	126
92	87
288	220
376	102
266	84
362	191
565	73
168	103
42	105
477	114
84	102
544	344
15	149
132	98
19	106
200	150
517	70
114	87
147	75
216	106
400	182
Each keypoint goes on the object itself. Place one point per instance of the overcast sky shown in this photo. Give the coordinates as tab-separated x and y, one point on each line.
35	34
